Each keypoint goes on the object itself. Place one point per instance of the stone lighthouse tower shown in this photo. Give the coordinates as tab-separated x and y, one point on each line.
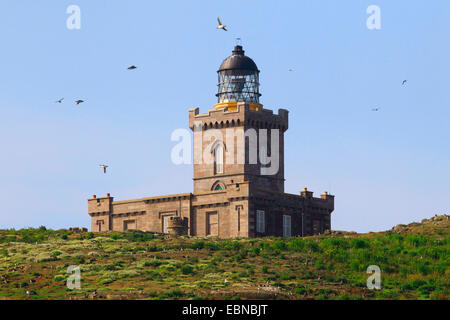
245	141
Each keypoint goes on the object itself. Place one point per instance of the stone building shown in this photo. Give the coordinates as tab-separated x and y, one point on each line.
238	174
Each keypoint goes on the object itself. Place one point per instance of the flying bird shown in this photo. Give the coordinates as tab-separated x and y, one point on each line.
59	101
104	166
404	82
79	101
221	26
375	109
132	67
290	70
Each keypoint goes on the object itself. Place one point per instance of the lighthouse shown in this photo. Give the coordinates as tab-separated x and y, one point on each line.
238	173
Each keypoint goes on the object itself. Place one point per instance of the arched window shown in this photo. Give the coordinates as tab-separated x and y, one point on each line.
217	150
218	186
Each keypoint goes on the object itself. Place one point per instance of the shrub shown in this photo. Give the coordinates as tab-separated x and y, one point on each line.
297	244
301	291
417	240
312	245
153	248
59	278
78	260
279	245
55	254
187	269
193	260
359	243
286	276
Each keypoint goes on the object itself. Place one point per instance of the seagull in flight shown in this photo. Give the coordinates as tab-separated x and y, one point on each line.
132	67
404	82
79	101
59	101
104	166
221	26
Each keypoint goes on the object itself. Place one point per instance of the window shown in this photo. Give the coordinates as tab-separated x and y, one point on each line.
218	186
317	226
99	224
129	225
218	157
286	226
212	224
260	221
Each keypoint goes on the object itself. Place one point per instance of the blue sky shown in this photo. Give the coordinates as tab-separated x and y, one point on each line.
385	167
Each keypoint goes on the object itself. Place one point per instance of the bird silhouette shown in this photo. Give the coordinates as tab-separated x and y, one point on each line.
79	101
404	82
59	101
221	26
132	67
375	109
104	166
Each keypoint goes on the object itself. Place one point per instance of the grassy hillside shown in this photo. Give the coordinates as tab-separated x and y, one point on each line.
414	262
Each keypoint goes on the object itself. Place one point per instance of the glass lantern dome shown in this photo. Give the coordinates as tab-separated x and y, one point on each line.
238	79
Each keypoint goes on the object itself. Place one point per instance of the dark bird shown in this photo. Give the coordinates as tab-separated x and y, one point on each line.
59	101
79	101
404	82
221	26
104	166
132	67
375	109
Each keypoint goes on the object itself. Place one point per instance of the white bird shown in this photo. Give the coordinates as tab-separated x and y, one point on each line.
221	26
59	101
104	166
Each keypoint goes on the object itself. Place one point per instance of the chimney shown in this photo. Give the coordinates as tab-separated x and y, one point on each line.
306	194
326	196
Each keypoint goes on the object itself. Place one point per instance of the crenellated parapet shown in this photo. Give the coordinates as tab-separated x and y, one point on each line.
243	115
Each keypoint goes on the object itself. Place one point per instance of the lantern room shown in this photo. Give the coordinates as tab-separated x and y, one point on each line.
238	81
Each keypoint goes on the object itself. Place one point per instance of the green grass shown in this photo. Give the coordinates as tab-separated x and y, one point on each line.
137	265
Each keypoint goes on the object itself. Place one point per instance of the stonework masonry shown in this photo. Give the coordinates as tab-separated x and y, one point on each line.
244	199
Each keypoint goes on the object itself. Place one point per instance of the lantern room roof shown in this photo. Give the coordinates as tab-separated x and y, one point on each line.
238	61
